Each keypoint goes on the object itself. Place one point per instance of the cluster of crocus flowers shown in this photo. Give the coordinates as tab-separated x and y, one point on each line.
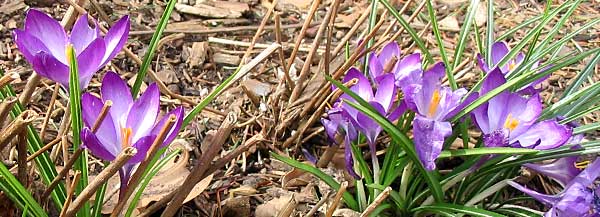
128	123
580	196
43	43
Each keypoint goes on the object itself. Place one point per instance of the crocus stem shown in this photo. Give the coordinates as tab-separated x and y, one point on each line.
375	171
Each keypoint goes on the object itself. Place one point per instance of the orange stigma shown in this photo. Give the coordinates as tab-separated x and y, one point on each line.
511	123
434	103
511	65
126	132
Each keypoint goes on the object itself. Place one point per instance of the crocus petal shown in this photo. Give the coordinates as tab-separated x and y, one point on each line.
363	87
49	31
368	126
389	51
91	142
545	135
82	34
493	80
429	138
406	68
563	170
499	50
172	133
386	91
496	138
117	91
48	66
348	152
115	39
480	116
588	175
576	201
90	110
28	44
89	60
142	145
143	112
395	114
526	111
482	64
375	66
330	128
543	198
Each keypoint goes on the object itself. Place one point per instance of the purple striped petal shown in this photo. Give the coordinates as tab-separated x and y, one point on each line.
389	51
49	31
178	112
90	110
142	145
369	127
143	112
543	198
82	34
407	69
28	44
429	138
88	61
499	50
563	170
117	91
48	66
386	92
375	66
350	136
545	135
97	148
115	39
363	88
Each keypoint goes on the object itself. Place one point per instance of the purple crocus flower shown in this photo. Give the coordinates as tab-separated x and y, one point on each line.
434	104
510	119
128	123
338	122
499	50
388	61
579	198
43	43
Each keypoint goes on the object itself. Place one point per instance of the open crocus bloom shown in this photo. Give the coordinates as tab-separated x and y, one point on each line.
510	119
388	61
128	122
434	104
43	43
579	197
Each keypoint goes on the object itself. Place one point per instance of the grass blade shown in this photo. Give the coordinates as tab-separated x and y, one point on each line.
464	34
162	24
348	199
18	193
486	150
438	38
454	208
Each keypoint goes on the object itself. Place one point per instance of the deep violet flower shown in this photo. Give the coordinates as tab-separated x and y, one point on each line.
43	43
434	104
338	123
510	119
580	197
128	122
388	61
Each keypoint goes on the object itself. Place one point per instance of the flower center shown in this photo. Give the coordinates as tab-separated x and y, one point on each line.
511	123
512	65
434	103
582	165
126	132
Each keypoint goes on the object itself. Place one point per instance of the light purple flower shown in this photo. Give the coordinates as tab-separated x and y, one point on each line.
388	61
510	119
434	104
579	198
43	43
128	122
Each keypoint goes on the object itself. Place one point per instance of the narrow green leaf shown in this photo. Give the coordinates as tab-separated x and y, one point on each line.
438	38
454	208
486	150
413	34
12	186
77	124
464	34
582	76
162	25
348	199
489	33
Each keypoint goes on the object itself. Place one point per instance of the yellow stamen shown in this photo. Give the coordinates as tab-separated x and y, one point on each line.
126	132
512	65
582	165
511	123
435	101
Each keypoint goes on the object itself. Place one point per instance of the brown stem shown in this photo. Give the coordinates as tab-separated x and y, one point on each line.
135	178
315	208
259	31
5	108
336	199
32	83
49	110
70	192
103	177
378	200
215	143
7	78
22	158
311	14
286	73
16	127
